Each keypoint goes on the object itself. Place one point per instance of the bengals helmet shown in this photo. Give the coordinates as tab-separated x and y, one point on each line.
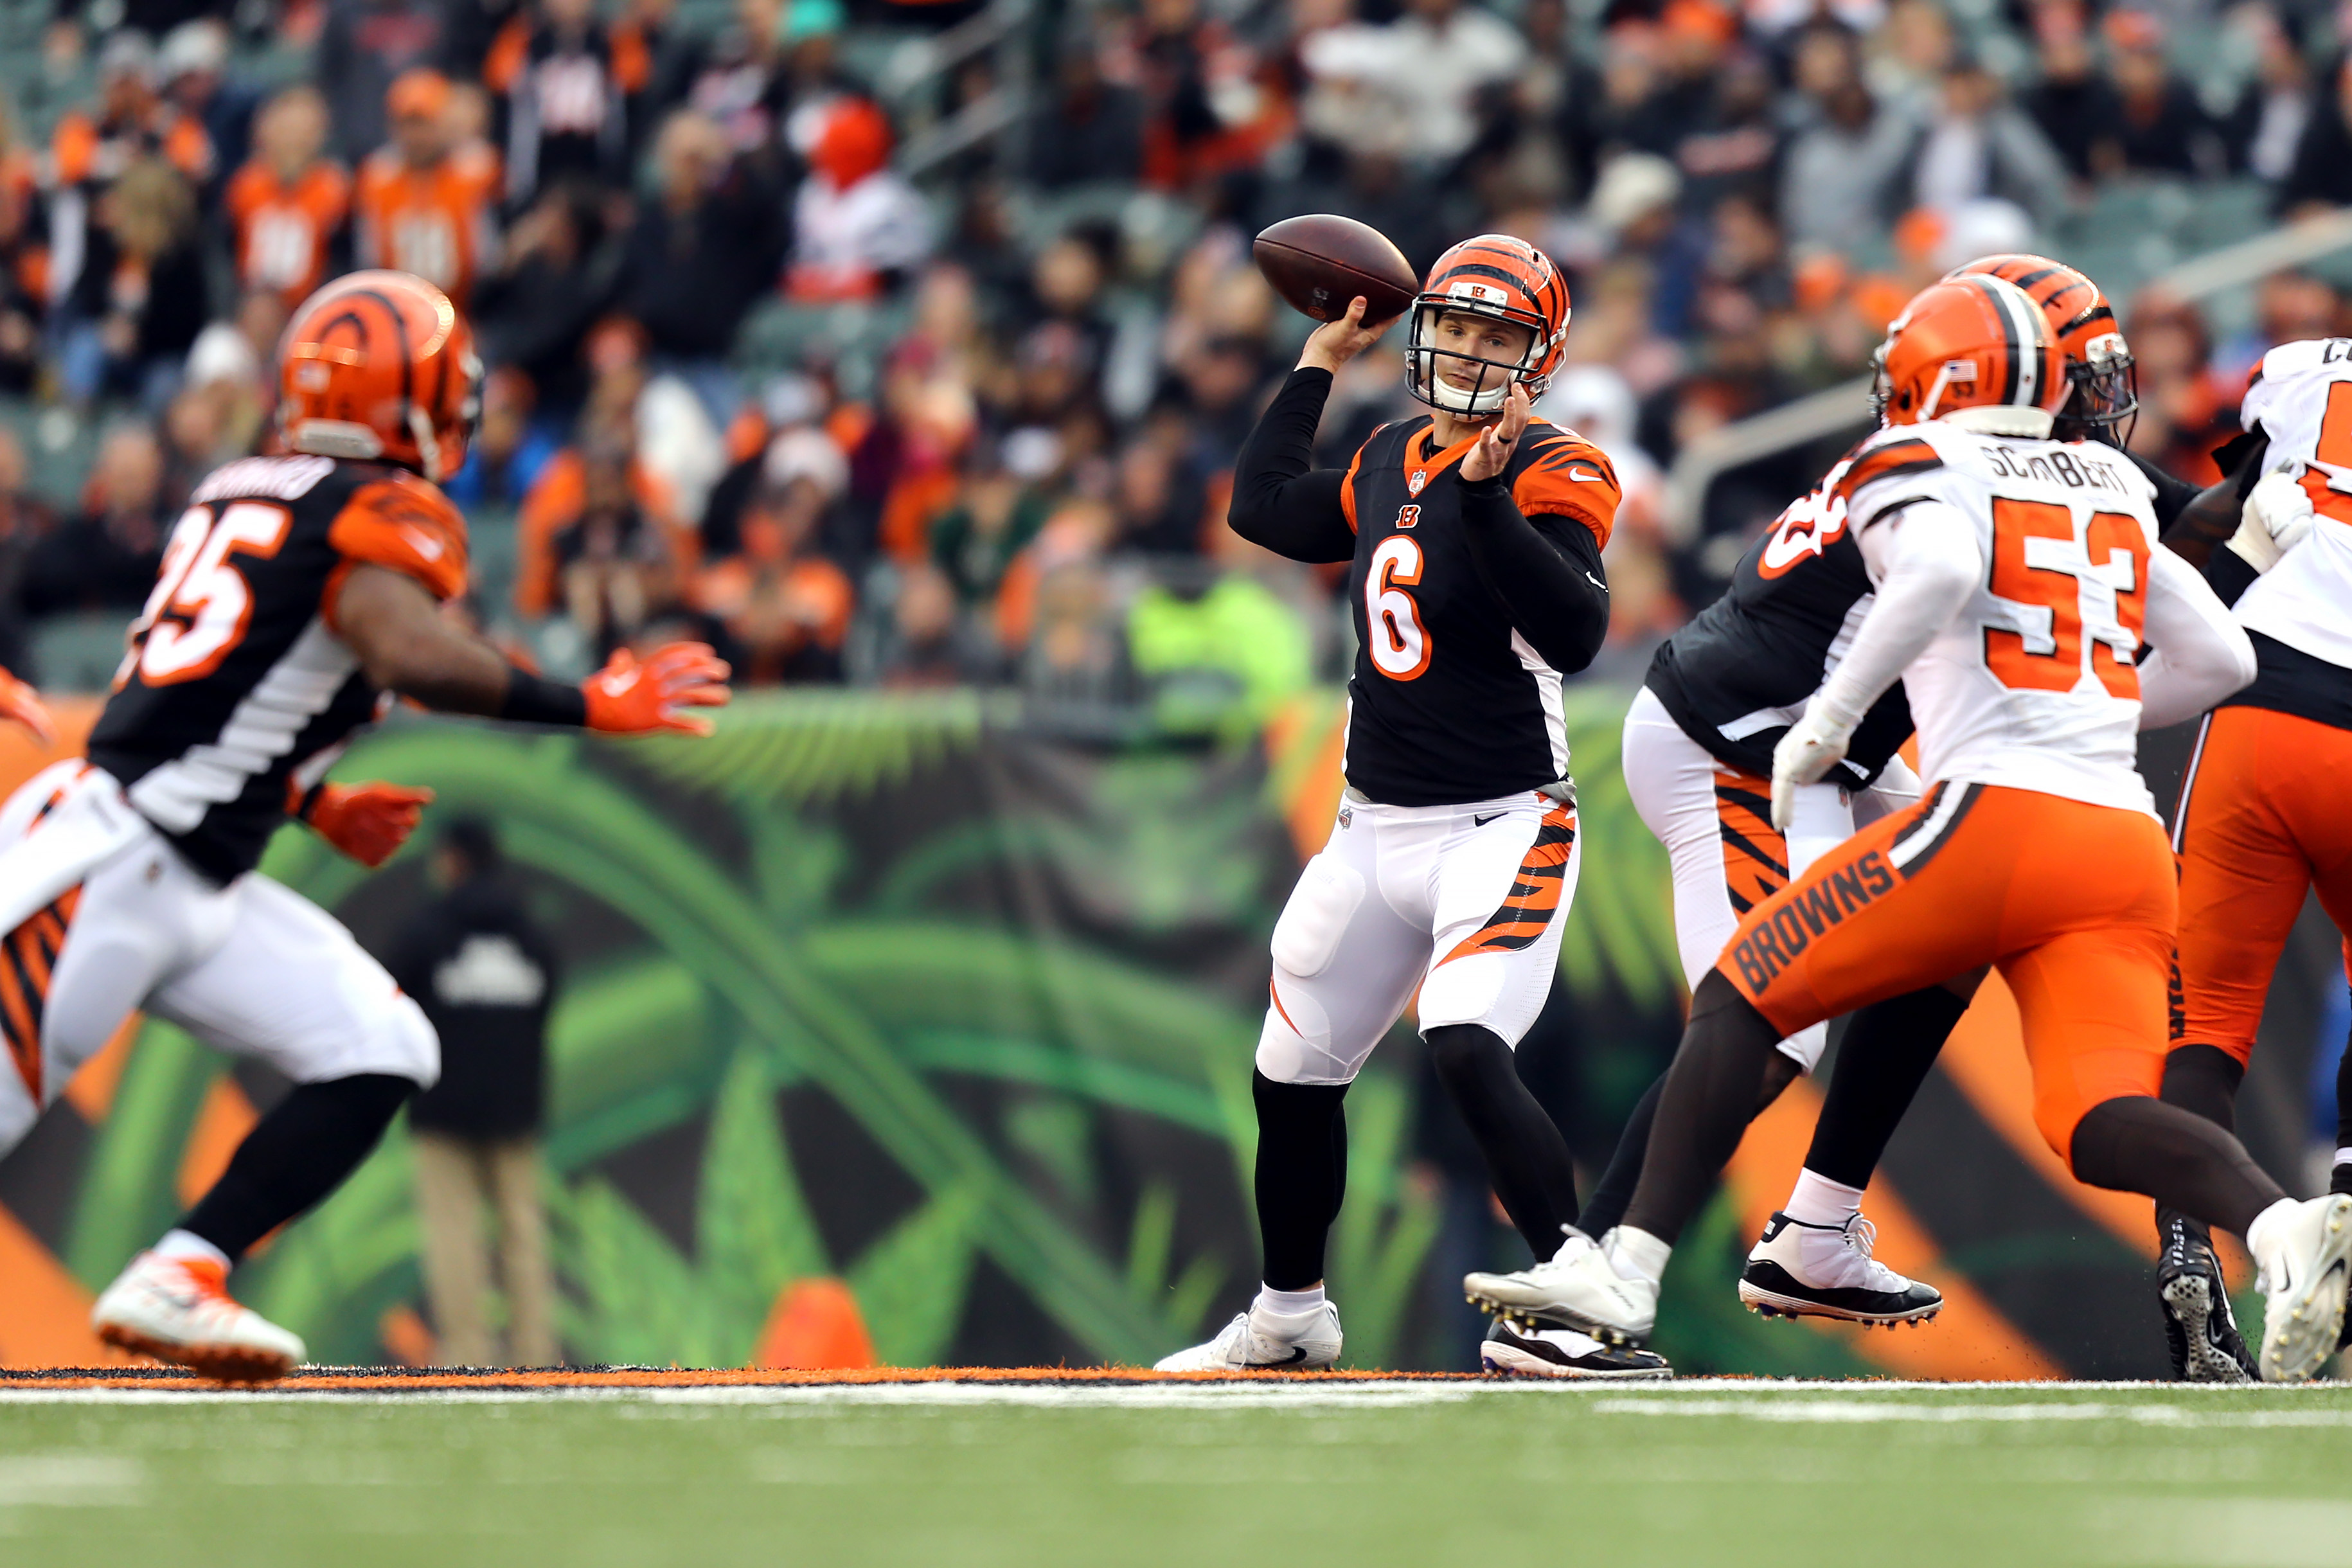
1972	343
380	366
1506	279
2098	361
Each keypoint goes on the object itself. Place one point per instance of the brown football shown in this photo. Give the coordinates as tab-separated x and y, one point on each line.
1319	261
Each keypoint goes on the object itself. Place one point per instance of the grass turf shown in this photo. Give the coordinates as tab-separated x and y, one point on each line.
940	1476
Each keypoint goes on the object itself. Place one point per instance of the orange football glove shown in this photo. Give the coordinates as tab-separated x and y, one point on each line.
626	697
21	702
368	822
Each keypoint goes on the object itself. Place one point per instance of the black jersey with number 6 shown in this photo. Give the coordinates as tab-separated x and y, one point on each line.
1450	702
1738	674
236	688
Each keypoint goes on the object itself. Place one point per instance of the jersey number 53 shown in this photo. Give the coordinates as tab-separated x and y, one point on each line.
2040	569
201	604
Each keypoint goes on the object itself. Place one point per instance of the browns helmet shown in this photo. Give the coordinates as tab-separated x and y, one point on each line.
1972	343
1499	276
2098	361
380	366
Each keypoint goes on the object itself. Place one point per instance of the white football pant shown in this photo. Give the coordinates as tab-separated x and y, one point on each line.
253	968
1716	825
1464	901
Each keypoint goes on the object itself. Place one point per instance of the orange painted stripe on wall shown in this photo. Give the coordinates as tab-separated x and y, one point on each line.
1986	1058
1971	1340
44	1310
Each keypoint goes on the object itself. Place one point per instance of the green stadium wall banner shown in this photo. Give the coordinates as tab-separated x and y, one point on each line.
893	1029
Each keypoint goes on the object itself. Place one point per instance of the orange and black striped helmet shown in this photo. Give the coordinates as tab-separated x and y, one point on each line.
1971	343
380	366
2098	361
1494	275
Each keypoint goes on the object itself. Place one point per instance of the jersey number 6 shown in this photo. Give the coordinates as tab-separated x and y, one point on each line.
202	592
1393	634
2052	660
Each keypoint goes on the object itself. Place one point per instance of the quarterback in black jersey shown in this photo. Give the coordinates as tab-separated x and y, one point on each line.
298	595
1472	535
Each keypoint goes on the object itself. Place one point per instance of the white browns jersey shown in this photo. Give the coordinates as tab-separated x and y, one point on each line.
2032	684
2302	399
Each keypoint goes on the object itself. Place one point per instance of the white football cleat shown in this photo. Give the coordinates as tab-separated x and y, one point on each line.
1250	1345
1566	1354
1804	1271
2303	1289
180	1311
1578	1287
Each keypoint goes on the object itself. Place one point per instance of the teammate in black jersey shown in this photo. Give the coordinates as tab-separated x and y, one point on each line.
1720	695
297	593
1474	537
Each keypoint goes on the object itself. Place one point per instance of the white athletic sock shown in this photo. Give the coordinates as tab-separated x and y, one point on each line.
187	1246
1817	1200
2343	1157
2263	1236
1638	1255
1273	1303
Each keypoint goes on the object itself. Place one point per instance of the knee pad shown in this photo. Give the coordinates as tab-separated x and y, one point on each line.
1317	916
1294	1047
404	1044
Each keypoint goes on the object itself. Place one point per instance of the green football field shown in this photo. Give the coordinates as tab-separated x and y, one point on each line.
1822	1475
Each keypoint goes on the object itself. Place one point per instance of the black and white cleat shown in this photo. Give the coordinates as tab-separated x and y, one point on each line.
1800	1270
1513	1351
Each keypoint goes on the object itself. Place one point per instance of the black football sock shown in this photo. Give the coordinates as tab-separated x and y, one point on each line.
1888	1047
1607	1204
1709	1097
1302	1174
1526	1159
2203	1080
2340	1180
2135	1143
296	1155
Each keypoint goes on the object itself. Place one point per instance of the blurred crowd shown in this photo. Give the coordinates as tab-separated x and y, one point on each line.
908	343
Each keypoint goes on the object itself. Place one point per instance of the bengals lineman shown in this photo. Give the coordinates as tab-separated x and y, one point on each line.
1474	535
2016	578
297	595
2260	822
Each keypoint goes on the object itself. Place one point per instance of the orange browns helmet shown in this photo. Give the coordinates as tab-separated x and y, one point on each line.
1494	275
2098	361
380	366
1971	343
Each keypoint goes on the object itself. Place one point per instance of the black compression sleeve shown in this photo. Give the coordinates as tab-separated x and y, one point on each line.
2172	493
1280	501
1548	574
2229	575
533	699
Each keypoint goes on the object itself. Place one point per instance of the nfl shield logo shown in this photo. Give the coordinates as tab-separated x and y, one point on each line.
1413	486
1347	817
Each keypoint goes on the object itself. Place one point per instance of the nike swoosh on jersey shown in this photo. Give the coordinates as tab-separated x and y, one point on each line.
1481	821
1596	582
1585	474
426	545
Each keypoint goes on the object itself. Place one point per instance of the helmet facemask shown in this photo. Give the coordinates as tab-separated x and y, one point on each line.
1486	396
2105	394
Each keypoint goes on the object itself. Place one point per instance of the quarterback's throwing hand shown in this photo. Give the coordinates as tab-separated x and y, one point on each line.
368	822
626	697
1812	746
1335	343
1498	440
19	702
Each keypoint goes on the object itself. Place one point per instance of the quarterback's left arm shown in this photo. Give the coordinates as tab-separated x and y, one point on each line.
2201	654
1926	562
1548	570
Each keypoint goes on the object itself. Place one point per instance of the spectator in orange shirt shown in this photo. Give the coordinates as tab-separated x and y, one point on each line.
427	203
777	607
289	203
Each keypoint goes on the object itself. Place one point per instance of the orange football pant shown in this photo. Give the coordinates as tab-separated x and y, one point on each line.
2263	821
2073	903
